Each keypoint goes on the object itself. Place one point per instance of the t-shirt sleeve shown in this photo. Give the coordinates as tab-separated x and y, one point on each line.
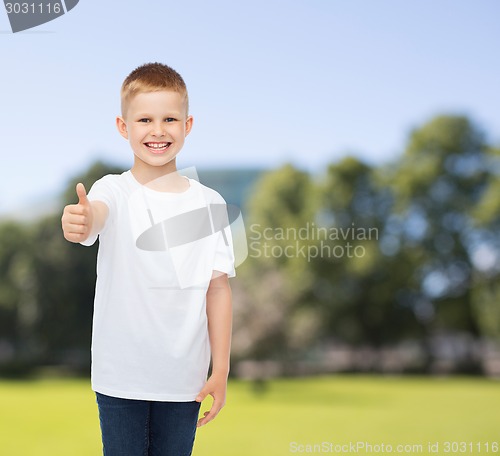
224	260
224	253
102	190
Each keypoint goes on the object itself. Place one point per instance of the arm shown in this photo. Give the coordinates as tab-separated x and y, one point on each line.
219	313
84	219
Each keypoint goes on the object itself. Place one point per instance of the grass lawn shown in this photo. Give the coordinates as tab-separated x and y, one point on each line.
58	417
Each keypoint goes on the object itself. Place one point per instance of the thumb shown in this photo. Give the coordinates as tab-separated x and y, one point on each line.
202	395
82	194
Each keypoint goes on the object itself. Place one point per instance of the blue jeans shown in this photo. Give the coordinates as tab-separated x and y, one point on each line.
132	427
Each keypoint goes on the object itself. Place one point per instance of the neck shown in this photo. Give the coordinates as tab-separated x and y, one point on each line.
145	173
160	178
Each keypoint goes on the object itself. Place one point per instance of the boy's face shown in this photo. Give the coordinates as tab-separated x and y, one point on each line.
156	125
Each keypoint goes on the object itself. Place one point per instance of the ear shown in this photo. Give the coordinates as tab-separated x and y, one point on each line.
189	124
122	127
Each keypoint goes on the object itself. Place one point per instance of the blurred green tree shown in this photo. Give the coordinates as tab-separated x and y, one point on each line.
438	182
18	287
65	275
356	285
485	252
268	321
402	254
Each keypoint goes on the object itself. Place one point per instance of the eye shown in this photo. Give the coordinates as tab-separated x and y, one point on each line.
144	120
170	119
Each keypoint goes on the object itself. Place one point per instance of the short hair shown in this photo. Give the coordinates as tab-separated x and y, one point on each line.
152	77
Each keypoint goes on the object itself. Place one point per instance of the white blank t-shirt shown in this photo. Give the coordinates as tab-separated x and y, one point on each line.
149	335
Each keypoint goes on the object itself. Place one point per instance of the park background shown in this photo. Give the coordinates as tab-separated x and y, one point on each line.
358	115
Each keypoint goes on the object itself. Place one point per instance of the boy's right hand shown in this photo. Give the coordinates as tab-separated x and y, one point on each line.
77	218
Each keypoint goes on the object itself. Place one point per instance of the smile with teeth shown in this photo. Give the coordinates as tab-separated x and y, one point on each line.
156	147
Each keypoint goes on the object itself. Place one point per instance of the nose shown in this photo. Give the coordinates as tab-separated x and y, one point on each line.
158	129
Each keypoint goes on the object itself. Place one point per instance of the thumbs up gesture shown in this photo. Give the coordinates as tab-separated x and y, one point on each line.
77	218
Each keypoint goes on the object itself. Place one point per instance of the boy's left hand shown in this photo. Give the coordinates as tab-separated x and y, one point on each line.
216	386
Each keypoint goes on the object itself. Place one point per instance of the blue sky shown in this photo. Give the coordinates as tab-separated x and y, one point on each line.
270	81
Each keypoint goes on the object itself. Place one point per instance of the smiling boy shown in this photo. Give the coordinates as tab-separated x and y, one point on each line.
161	311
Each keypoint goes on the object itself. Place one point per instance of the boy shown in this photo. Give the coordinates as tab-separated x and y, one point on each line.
162	301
